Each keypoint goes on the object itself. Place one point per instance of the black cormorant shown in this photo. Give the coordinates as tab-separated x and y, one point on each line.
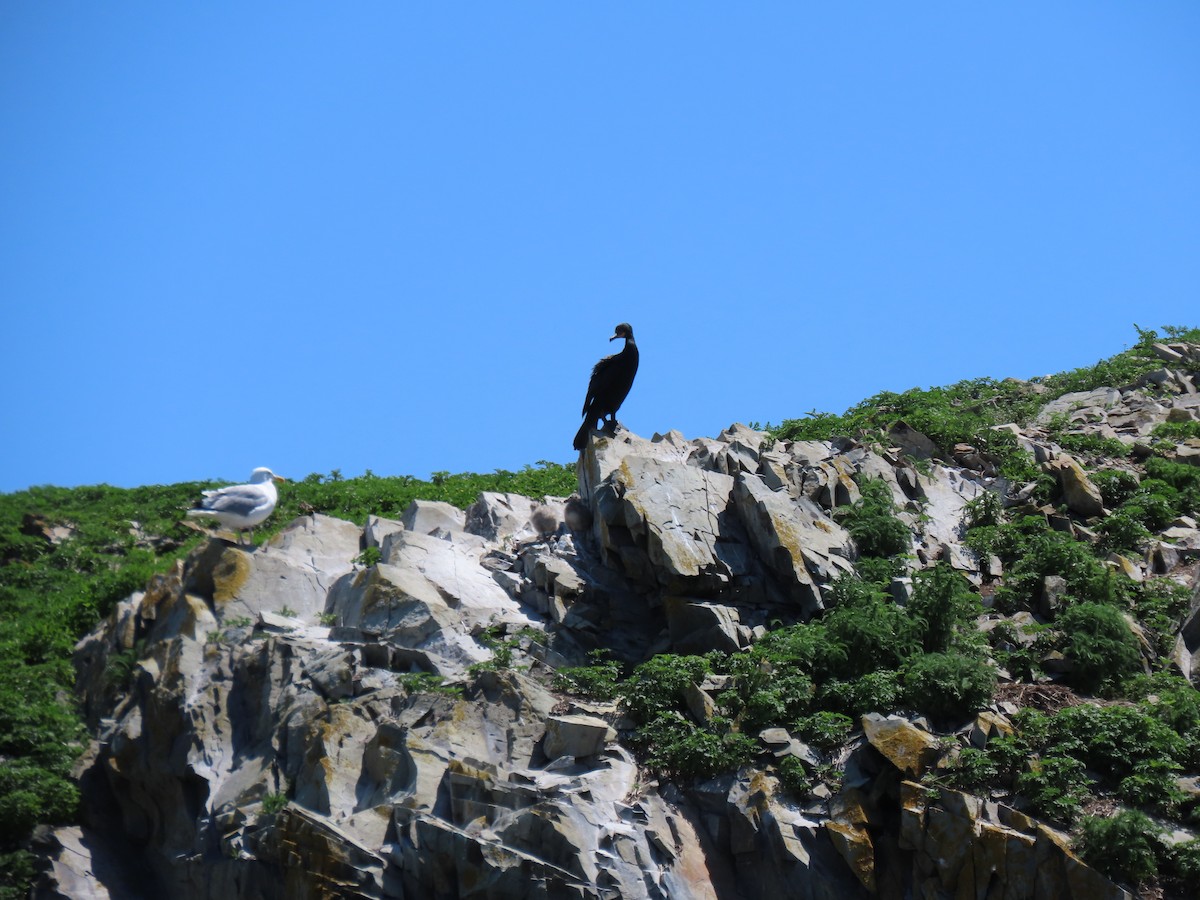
610	383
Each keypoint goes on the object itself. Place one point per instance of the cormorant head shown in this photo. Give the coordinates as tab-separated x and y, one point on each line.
624	330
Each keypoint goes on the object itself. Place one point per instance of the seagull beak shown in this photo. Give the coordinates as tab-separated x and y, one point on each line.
278	478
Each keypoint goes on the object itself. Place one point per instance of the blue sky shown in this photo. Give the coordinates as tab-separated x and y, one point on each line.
389	237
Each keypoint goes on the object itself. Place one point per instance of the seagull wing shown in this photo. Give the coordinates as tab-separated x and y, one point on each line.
238	500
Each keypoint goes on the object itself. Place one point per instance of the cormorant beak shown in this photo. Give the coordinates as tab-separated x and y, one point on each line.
615	336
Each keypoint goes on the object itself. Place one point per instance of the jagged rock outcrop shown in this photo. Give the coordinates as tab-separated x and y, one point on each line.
294	724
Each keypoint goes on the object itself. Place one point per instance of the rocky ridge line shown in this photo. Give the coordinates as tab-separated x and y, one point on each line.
281	736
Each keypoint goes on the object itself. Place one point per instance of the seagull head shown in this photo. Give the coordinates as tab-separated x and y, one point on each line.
261	474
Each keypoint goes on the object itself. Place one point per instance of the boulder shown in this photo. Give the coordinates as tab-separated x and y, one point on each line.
670	525
698	627
800	544
903	744
428	516
1082	496
575	736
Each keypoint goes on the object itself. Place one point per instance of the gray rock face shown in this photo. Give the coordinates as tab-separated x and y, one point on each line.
301	726
1081	495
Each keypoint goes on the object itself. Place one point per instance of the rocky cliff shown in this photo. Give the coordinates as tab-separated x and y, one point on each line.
371	711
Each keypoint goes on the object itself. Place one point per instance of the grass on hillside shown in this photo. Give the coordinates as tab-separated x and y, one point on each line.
965	412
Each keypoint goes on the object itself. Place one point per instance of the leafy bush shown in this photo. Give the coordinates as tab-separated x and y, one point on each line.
1031	550
873	634
1183	478
984	510
657	686
948	685
1160	605
600	681
873	524
1089	442
1097	640
1172	700
1119	743
674	745
1123	531
825	730
971	770
763	692
1116	485
794	777
942	604
1176	431
809	647
878	691
1055	787
1124	847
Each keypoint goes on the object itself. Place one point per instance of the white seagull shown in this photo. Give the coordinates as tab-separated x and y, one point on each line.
242	506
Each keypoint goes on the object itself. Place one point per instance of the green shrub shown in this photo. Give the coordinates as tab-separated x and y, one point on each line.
1181	862
1153	785
948	685
825	730
878	691
1055	787
763	691
872	522
1160	604
274	803
985	510
1124	847
1123	531
971	770
1116	486
600	681
29	794
1183	478
794	777
1100	646
674	745
872	632
1176	431
1115	741
942	603
1032	551
1172	700
808	647
657	686
1075	442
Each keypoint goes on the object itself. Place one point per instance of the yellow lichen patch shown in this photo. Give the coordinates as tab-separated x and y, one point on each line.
229	574
163	587
855	847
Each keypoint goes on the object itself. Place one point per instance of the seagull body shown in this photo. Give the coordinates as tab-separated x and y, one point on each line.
241	506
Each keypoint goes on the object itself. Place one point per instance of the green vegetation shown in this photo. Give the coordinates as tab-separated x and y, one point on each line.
598	681
1102	648
865	654
1056	762
56	585
965	412
873	524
